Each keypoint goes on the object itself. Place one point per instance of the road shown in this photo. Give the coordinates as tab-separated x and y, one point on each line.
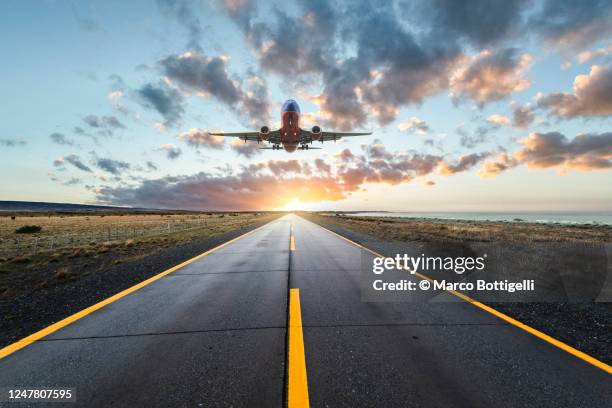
215	333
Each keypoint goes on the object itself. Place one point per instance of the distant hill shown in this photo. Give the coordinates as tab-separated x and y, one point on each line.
31	206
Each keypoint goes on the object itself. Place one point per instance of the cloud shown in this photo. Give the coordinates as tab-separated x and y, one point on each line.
271	184
522	116
322	167
414	124
166	100
475	20
247	149
390	66
592	96
105	125
370	61
115	167
491	76
12	142
572	25
116	99
203	191
88	24
61	139
71	182
345	156
183	12
74	160
480	135
201	138
499	120
378	165
172	152
152	166
464	163
501	163
472	140
278	167
585	152
306	39
103	122
587	56
203	75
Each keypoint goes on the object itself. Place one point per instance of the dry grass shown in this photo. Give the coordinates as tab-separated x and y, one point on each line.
22	273
59	231
483	231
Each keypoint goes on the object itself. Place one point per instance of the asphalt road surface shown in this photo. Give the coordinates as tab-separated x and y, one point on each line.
215	333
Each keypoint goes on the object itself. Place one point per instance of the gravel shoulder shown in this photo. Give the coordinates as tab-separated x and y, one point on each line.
586	326
40	292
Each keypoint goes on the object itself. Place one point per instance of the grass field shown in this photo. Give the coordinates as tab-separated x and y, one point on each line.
60	231
409	229
89	244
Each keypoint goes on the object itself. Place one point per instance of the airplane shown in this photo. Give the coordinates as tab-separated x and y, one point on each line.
290	135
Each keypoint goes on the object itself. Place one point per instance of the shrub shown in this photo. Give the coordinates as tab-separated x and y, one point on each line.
20	260
28	229
62	273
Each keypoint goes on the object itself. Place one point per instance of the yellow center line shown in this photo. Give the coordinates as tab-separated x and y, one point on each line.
11	348
292	240
543	336
298	382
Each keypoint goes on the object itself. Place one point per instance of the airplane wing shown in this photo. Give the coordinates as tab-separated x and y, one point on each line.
306	136
254	136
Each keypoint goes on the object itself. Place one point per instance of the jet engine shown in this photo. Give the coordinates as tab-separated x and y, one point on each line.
264	133
316	132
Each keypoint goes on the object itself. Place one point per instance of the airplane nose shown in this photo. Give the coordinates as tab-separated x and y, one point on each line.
290	148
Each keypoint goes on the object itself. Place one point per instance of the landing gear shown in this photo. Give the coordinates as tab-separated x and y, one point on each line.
276	147
304	147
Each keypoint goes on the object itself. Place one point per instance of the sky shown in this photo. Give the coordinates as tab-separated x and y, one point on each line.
473	107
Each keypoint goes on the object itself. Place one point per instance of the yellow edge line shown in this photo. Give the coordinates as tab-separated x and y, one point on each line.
298	382
543	336
11	348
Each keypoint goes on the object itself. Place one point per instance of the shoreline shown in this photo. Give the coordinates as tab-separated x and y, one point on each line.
511	217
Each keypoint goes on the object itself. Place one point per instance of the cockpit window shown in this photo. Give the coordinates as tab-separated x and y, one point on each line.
291	106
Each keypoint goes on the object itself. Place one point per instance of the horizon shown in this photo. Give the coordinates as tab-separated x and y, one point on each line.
552	212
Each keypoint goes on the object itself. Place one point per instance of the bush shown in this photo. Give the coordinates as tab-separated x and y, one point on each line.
28	229
62	273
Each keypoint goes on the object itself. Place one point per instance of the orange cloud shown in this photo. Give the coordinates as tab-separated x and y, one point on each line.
491	76
592	96
585	152
502	163
201	138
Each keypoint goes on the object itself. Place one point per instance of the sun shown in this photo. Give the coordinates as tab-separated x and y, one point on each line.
292	205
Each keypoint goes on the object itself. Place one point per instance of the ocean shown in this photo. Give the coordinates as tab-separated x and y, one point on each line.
552	217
